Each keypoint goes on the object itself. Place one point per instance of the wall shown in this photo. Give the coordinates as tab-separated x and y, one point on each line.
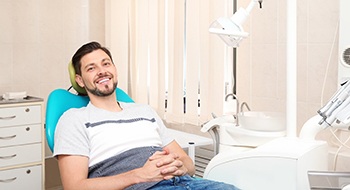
37	40
261	61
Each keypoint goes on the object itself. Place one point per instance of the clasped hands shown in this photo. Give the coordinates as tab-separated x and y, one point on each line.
163	165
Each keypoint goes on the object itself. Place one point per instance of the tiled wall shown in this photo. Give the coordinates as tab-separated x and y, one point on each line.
38	37
261	74
261	62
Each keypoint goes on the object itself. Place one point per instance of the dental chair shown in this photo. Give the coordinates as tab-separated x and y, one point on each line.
60	100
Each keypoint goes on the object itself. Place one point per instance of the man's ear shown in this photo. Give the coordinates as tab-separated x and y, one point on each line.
79	80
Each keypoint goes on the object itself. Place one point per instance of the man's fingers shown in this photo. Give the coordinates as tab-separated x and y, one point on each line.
157	155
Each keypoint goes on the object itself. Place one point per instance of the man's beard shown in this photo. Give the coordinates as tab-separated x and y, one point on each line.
95	91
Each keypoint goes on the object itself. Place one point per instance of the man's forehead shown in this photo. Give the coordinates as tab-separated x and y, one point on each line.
95	57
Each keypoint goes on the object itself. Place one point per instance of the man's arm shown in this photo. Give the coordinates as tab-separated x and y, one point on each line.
74	172
173	161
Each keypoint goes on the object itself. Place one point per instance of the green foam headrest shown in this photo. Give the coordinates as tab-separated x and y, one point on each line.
75	85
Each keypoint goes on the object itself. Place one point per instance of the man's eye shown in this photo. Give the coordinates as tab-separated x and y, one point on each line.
90	69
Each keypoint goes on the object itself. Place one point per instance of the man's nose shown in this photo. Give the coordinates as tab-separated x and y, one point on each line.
101	71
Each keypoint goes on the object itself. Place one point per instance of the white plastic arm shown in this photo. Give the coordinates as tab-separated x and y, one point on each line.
311	128
337	108
217	122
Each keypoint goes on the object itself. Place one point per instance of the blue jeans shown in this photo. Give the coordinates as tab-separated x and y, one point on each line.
188	183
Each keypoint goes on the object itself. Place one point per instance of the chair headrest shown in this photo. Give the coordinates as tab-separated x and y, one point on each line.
75	85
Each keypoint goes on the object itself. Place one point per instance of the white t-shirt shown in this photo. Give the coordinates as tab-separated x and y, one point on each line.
100	134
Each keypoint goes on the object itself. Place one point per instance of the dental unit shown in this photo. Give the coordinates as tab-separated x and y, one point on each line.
283	162
254	150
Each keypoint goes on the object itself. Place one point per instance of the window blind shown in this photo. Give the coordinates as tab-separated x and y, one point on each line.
166	57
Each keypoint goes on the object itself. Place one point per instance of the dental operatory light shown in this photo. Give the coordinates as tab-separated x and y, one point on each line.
230	30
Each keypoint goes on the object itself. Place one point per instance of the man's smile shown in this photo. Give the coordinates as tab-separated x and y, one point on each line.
103	80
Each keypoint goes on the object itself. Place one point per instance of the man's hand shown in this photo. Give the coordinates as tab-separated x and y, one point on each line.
170	163
165	165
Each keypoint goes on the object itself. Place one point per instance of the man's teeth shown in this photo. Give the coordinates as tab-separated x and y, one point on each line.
103	80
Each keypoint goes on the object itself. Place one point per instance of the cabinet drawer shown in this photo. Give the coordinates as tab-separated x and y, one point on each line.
20	135
21	178
10	116
14	155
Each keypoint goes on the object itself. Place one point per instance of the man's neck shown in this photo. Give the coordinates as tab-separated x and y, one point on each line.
108	103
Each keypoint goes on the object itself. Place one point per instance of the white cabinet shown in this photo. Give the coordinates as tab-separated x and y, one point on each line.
21	144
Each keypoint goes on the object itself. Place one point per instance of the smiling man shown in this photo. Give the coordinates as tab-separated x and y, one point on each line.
116	145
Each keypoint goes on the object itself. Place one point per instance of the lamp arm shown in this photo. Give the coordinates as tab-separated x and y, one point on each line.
241	14
252	5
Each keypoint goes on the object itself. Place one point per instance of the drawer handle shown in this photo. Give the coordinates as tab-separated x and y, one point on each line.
8	180
8	157
8	137
10	117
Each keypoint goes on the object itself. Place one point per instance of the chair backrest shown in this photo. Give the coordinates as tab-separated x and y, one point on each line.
61	100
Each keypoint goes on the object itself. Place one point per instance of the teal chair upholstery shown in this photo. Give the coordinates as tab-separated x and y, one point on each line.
61	100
